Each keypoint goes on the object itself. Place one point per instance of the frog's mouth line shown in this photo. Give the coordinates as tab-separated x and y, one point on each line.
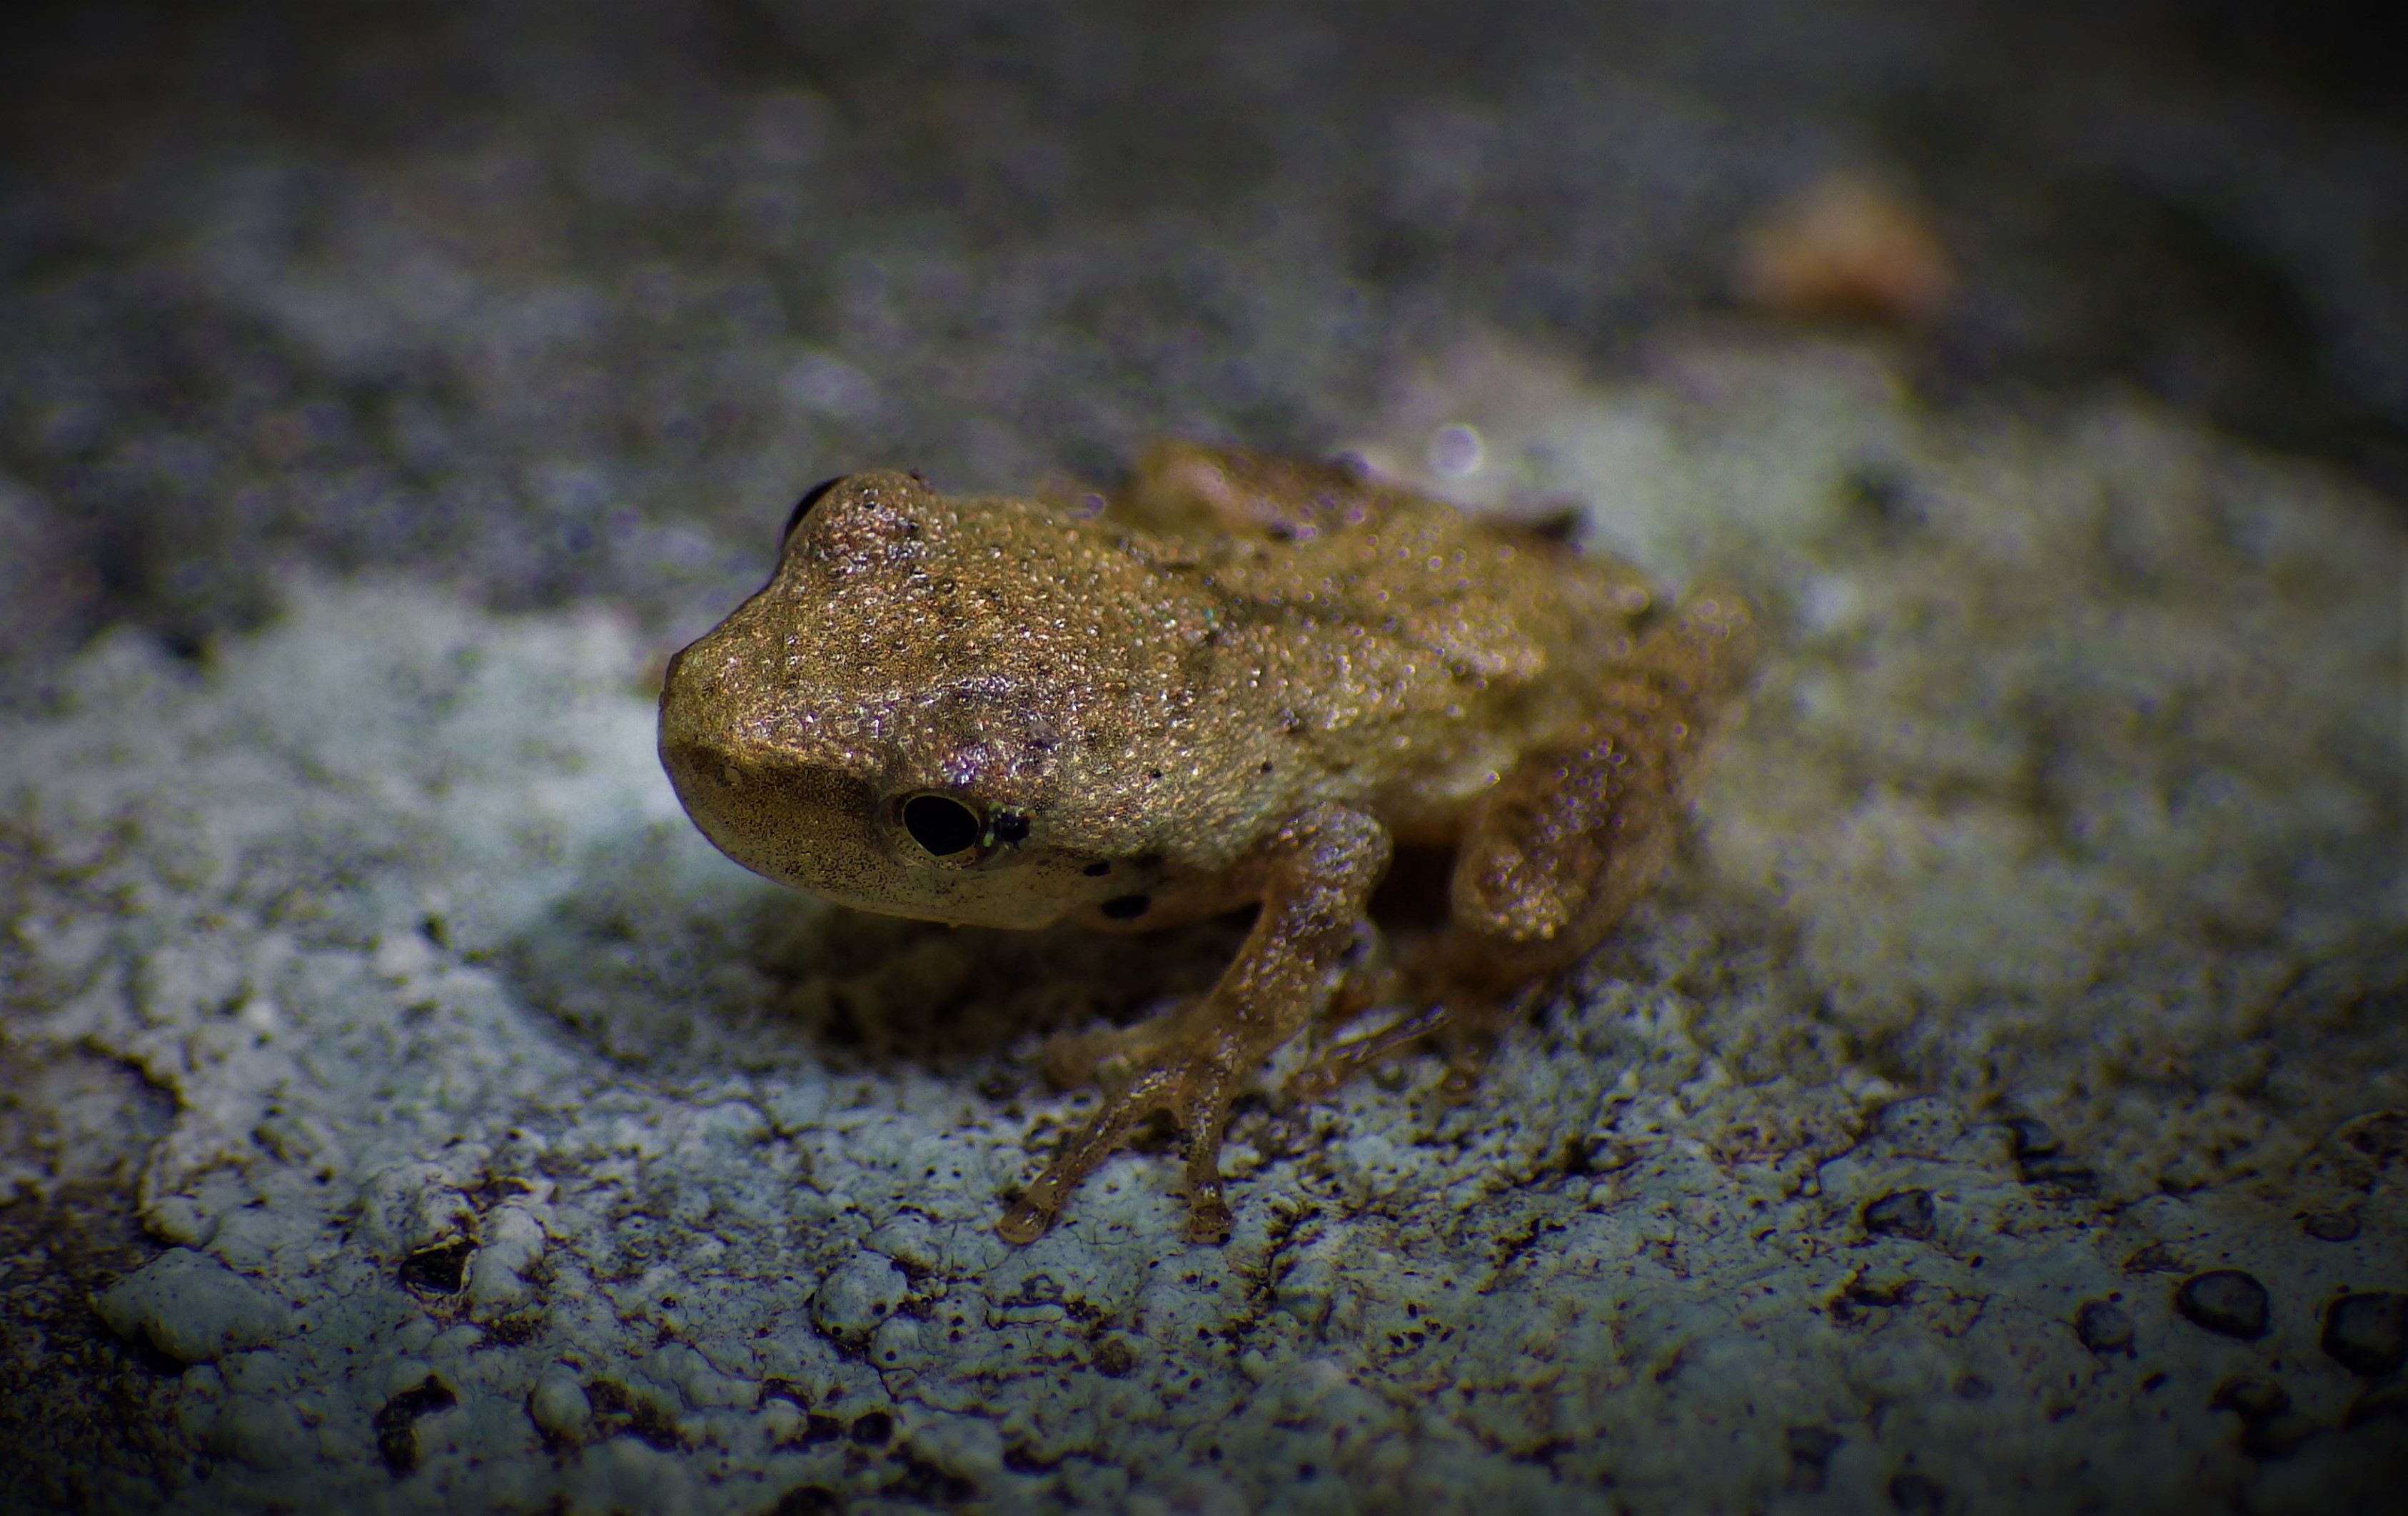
820	831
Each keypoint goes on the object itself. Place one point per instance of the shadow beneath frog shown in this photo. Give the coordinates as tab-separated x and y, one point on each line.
667	958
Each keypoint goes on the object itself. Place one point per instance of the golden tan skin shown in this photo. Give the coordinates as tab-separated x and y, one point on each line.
1242	682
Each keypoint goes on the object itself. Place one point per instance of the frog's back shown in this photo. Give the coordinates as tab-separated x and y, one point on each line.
1404	652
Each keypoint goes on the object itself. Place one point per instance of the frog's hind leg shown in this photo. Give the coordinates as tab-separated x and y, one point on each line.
1321	868
1560	849
1189	488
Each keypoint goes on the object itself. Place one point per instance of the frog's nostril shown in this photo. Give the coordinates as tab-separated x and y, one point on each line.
941	825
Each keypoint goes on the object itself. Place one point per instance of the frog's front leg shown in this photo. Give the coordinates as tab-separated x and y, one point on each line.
1319	874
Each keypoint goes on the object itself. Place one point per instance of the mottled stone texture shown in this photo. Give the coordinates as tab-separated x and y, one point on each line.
2036	955
566	300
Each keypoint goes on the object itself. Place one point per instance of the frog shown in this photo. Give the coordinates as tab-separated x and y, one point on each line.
1237	679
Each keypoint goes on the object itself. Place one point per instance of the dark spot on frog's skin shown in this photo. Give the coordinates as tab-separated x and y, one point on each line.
1097	871
803	506
1126	907
1010	827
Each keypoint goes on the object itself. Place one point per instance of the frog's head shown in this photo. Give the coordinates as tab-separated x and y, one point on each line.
913	716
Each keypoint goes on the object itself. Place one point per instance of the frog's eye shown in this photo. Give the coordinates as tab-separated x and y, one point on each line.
803	506
941	825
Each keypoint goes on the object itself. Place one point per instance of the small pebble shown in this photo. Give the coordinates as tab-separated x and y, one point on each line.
2251	1397
2380	1136
2033	1137
2225	1301
2063	1170
2041	1158
2331	1226
2367	1333
2104	1328
2268	1427
559	1408
1905	1213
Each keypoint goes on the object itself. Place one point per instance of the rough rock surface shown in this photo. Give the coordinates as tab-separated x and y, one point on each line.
523	1154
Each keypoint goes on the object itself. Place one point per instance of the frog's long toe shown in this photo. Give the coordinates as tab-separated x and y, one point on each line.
1196	1091
1208	1217
1342	1061
1108	1056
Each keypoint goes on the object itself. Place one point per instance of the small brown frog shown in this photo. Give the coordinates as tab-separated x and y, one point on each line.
1241	680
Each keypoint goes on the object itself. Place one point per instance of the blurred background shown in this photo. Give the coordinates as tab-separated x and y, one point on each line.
562	299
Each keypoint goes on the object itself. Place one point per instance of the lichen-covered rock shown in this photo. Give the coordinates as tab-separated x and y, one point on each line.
193	1307
856	1299
559	1407
2060	804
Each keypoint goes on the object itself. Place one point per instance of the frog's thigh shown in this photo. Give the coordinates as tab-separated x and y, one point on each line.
1554	855
1322	866
1188	486
1563	846
1557	852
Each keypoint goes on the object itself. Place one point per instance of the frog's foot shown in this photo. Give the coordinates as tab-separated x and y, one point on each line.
1110	1055
1195	1088
1467	1030
1320	868
1342	1060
